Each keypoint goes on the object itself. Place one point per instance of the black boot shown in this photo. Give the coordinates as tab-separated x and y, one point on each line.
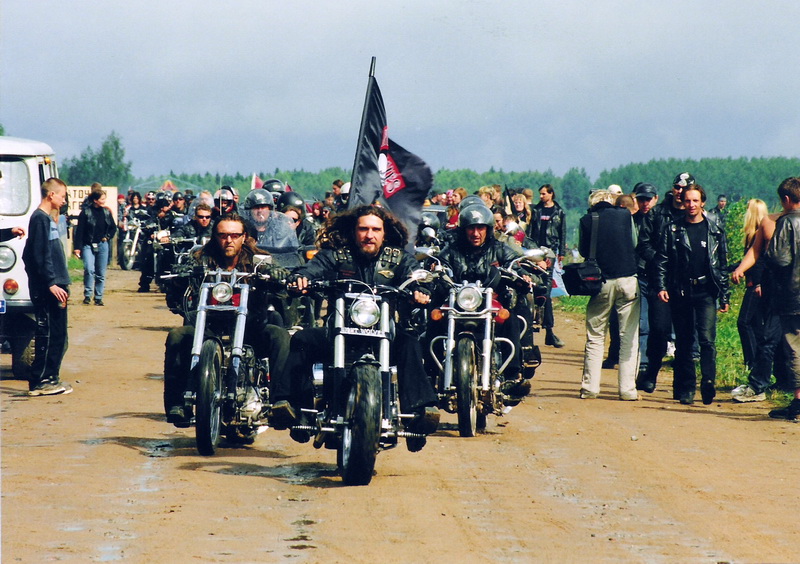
791	412
552	340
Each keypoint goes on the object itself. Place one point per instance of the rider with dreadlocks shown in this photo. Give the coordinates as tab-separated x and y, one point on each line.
366	244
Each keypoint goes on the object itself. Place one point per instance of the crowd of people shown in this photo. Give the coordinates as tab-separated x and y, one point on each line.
666	276
664	266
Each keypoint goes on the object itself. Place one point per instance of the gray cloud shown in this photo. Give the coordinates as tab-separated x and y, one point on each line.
244	86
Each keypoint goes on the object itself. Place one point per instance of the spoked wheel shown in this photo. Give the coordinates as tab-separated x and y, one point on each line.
209	398
362	431
128	256
466	378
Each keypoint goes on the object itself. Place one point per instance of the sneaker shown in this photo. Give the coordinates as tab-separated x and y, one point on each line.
686	399
86	301
586	394
99	303
747	394
790	412
51	389
739	390
629	397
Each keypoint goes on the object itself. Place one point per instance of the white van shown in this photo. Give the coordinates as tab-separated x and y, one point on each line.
24	166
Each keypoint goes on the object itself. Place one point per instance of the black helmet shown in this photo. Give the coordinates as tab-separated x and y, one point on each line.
274	185
165	194
178	196
430	219
258	197
469	201
476	214
162	201
683	180
290	199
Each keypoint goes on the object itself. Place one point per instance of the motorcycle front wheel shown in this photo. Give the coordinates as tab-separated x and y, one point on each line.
466	379
209	398
359	446
127	255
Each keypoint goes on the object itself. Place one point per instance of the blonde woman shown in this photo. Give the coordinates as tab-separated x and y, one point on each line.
522	211
454	197
759	327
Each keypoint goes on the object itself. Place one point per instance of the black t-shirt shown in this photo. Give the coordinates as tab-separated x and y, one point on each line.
100	228
544	217
698	241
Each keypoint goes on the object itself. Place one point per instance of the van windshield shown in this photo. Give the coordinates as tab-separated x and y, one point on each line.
15	193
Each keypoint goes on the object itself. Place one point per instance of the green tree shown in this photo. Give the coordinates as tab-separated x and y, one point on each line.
106	166
2	129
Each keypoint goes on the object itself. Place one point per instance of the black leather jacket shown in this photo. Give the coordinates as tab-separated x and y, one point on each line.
783	258
671	260
555	237
86	225
475	264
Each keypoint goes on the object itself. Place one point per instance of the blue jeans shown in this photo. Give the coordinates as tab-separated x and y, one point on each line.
94	270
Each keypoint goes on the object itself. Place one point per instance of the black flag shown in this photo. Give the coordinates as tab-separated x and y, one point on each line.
384	171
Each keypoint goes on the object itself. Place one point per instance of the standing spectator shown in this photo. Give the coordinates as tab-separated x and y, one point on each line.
522	211
720	212
646	198
8	233
691	276
548	228
454	198
48	281
759	324
782	257
95	229
659	315
616	256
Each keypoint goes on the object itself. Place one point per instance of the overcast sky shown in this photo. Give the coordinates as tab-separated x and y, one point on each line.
244	86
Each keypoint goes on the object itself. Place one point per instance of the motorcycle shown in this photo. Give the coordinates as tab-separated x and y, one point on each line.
230	387
175	280
357	410
130	246
471	358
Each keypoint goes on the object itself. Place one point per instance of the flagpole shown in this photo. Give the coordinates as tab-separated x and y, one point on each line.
361	129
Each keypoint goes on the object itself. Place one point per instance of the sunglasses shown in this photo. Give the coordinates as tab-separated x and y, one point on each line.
203	216
226	236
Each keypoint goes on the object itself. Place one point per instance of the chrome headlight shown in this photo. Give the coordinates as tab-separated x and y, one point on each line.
365	312
222	292
469	298
7	258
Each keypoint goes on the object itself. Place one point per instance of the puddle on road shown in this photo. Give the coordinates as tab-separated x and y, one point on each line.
110	553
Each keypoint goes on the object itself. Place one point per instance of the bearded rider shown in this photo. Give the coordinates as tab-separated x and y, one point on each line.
474	256
366	244
229	248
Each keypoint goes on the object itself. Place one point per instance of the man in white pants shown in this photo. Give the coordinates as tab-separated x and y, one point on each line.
616	257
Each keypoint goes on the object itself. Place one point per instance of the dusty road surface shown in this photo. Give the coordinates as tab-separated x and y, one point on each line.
99	476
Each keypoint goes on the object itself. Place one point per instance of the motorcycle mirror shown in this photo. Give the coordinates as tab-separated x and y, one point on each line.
422	275
536	255
262	259
429	233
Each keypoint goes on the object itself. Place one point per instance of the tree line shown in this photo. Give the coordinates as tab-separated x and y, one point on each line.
738	178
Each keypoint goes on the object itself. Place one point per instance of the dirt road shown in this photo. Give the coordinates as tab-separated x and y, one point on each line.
99	476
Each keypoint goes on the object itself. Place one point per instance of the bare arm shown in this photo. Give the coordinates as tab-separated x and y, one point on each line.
763	235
